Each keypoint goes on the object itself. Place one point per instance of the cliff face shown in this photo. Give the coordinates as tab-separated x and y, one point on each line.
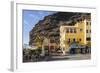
49	26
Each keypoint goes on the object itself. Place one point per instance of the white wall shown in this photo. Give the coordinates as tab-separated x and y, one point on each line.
5	34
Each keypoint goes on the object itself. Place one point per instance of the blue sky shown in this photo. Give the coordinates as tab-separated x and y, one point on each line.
30	18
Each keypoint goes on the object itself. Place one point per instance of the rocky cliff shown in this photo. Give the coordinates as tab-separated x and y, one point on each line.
49	26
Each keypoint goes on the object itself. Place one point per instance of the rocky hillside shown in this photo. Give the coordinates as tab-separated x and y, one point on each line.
49	26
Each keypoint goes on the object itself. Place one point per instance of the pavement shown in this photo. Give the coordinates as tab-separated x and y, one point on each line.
71	57
61	57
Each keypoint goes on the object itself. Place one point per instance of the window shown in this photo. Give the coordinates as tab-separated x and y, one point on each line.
80	29
87	23
69	40
74	30
86	31
67	31
74	40
88	38
90	23
80	39
71	30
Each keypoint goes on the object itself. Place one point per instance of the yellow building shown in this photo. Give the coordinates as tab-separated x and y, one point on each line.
78	32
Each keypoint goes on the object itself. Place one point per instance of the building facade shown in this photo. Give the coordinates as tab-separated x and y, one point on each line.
78	32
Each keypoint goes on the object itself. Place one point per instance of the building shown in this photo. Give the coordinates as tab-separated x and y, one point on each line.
75	31
61	33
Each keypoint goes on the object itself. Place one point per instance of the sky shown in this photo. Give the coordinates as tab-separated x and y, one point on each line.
30	18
